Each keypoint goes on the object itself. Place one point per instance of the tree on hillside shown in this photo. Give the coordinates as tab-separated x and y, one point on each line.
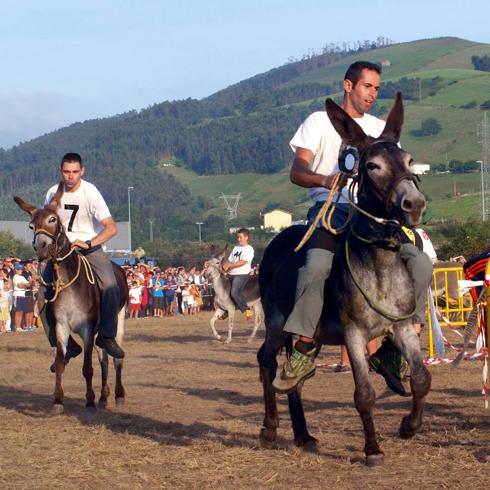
481	63
430	126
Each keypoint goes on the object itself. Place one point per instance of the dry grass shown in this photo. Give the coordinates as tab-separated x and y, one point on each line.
193	413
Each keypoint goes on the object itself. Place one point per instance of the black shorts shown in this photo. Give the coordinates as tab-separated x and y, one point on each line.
21	303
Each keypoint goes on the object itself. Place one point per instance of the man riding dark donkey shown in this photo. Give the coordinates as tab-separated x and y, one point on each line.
88	224
318	147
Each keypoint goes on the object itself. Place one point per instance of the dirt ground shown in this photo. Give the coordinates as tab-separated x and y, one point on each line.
193	414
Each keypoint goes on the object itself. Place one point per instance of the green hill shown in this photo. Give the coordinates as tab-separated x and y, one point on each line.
245	128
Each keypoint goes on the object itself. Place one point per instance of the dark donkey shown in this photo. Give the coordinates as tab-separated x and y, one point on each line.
74	305
369	293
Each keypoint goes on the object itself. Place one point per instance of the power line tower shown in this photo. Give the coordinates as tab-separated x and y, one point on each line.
483	132
231	204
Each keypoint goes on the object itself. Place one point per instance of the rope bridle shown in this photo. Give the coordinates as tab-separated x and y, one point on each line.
58	284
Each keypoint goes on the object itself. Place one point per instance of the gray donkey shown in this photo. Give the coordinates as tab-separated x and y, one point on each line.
369	293
225	305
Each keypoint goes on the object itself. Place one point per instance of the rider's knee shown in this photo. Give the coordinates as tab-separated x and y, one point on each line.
418	264
318	263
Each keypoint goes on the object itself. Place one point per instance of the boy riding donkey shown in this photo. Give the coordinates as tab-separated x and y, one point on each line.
317	147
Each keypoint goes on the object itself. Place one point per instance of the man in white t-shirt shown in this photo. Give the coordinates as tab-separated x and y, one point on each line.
88	224
317	147
238	266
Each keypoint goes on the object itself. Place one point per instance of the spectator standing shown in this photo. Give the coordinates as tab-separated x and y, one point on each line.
135	294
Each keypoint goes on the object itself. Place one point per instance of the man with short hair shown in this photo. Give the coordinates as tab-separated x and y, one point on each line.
89	225
238	266
317	147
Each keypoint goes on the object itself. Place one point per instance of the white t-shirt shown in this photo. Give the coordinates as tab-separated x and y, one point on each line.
82	211
241	253
318	135
135	294
428	248
16	280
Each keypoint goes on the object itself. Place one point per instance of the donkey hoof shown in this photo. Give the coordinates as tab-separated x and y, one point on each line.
120	401
102	404
52	368
266	438
377	459
57	409
227	340
406	429
218	337
307	443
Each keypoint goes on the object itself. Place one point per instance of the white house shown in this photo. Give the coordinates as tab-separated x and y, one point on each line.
277	219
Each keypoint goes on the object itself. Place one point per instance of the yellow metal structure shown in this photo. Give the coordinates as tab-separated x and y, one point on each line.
457	309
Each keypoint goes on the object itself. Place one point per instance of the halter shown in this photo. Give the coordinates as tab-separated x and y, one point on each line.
58	283
391	189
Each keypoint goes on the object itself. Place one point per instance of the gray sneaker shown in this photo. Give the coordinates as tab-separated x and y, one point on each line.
298	368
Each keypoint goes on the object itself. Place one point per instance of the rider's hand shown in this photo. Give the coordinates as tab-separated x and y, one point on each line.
328	181
226	266
80	244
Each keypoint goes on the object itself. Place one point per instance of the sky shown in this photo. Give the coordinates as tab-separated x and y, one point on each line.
67	61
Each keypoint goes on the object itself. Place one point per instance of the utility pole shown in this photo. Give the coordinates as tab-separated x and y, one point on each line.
151	221
199	224
130	188
484	138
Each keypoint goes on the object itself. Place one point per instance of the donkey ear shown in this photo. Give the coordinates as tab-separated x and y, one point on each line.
394	122
350	132
25	206
222	254
55	202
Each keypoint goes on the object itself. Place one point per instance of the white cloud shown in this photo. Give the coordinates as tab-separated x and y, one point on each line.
24	116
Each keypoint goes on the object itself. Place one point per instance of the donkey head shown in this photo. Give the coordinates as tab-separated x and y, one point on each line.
213	266
45	223
387	185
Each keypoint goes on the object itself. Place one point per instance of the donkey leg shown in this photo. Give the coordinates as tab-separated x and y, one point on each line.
88	371
231	322
364	394
266	358
104	370
119	391
62	335
302	437
258	319
216	315
406	339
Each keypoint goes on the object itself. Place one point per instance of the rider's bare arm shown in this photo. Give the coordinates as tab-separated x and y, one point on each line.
109	231
233	265
302	175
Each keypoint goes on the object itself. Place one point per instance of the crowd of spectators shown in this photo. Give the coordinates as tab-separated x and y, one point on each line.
19	283
153	292
156	292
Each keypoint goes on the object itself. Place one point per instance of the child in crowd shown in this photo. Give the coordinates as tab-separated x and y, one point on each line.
4	302
135	294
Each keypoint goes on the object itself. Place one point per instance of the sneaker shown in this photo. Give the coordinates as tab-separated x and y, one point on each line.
110	346
298	368
389	362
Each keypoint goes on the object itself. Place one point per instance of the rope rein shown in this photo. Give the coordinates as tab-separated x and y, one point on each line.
58	283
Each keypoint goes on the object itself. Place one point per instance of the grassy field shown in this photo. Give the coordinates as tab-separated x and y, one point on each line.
194	409
452	196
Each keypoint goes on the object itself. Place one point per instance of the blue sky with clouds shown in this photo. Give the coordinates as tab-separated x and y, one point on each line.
65	61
